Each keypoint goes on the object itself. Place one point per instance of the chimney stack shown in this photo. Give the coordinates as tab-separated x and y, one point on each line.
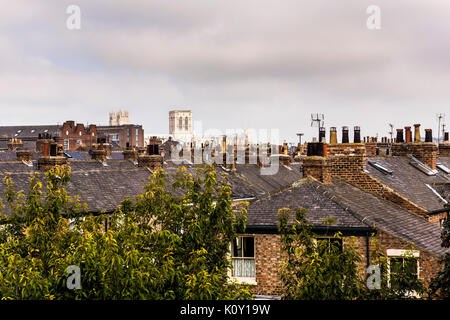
399	138
345	134
51	157
417	132
317	149
321	134
14	143
408	134
333	135
357	134
24	155
428	135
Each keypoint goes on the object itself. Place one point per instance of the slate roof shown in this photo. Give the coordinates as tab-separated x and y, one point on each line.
305	194
264	184
104	187
409	181
11	155
446	162
28	131
387	216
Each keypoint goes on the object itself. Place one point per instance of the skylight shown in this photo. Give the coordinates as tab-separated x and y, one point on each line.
443	168
436	193
422	166
380	168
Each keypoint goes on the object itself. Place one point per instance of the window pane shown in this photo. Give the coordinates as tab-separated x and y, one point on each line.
236	248
249	246
396	265
410	266
244	268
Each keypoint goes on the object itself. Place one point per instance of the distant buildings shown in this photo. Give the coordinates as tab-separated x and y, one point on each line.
180	125
121	134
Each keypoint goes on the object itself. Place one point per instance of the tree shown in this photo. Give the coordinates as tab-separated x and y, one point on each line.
329	269
316	270
171	242
440	285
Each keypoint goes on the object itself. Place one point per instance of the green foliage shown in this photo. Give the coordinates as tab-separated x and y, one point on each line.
316	270
326	270
440	285
157	246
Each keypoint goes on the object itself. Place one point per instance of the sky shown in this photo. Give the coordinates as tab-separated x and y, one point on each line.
261	64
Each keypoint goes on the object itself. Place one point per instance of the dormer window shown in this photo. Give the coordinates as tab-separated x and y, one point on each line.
80	133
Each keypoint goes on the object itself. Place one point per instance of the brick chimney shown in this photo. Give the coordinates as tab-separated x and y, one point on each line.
42	140
444	147
345	135
357	134
408	135
51	156
14	143
24	155
98	151
130	155
417	132
315	164
153	162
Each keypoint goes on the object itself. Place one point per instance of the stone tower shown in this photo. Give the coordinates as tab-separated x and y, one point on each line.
119	118
180	124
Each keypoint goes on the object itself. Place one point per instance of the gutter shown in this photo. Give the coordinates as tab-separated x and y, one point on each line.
322	230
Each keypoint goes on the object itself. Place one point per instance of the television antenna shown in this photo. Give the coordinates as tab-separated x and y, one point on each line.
439	116
391	132
317	119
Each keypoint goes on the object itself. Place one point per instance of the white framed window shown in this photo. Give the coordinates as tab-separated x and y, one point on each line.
115	138
66	144
243	259
404	261
79	142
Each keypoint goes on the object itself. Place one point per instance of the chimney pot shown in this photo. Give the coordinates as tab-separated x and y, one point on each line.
357	134
321	134
408	134
399	136
417	132
428	135
345	134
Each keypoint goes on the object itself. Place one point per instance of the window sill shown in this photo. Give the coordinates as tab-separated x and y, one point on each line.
245	280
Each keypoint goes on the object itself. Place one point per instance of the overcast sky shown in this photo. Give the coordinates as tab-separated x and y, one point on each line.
236	64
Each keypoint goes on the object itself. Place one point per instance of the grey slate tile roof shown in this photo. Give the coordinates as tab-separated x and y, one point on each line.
104	187
285	177
446	162
28	131
388	217
305	194
409	181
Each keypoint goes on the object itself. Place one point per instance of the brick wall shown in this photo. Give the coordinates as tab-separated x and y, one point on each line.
267	262
425	152
428	263
435	218
444	149
268	258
